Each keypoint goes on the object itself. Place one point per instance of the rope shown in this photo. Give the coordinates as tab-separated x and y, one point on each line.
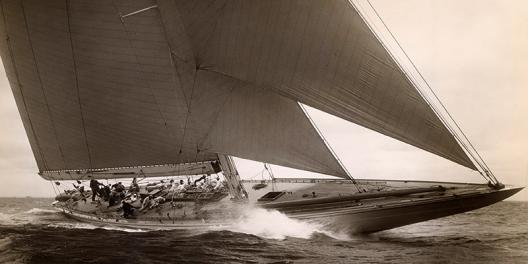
272	176
330	149
53	187
483	166
256	174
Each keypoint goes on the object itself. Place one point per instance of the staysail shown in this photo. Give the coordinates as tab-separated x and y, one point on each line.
101	87
322	54
112	84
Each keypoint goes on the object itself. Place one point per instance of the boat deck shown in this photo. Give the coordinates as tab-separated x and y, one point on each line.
333	202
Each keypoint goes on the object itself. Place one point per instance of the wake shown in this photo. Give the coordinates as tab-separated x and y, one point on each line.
272	224
269	224
52	218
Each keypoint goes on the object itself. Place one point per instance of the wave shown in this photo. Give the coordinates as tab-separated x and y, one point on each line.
86	226
273	224
6	252
270	224
6	219
5	243
39	211
31	216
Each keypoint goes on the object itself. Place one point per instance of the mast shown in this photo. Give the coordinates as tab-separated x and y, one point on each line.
232	178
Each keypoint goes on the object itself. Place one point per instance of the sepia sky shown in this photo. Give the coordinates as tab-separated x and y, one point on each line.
474	53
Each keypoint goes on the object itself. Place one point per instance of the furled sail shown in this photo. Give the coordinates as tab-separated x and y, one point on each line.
321	53
104	86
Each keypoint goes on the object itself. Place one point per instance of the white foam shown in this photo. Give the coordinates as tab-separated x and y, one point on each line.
276	225
5	243
91	227
39	211
5	218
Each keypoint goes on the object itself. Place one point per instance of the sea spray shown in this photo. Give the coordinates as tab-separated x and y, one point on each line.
53	218
87	226
39	211
273	224
6	219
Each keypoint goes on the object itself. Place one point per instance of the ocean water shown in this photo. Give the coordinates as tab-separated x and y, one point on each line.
30	232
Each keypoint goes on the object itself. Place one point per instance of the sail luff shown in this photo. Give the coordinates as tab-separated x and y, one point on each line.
478	162
326	143
10	67
415	82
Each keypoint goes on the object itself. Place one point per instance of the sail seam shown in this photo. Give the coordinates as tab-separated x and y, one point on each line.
141	67
197	55
412	80
41	83
485	167
176	73
11	55
77	82
188	114
220	109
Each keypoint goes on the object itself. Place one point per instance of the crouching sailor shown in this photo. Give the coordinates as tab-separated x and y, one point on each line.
128	208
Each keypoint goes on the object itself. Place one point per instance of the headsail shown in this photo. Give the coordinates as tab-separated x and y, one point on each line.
105	84
322	54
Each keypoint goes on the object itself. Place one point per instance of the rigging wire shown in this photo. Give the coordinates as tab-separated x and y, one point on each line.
53	186
272	176
356	184
488	175
485	167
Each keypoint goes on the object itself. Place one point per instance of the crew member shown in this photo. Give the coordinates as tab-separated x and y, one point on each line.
94	185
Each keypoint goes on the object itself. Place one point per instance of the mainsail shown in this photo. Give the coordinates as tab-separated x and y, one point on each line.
98	89
111	84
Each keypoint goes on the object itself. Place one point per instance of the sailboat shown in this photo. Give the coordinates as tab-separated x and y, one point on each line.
114	89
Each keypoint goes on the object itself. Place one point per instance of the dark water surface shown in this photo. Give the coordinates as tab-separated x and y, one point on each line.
30	232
